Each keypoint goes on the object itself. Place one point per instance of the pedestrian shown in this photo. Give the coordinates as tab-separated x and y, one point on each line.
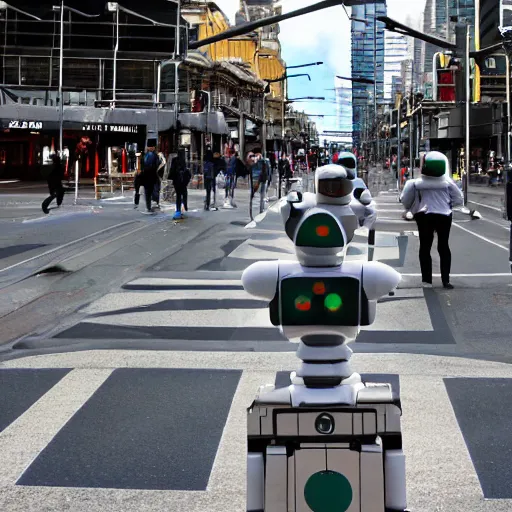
54	181
149	177
137	183
258	177
208	177
285	172
159	176
180	176
231	176
431	199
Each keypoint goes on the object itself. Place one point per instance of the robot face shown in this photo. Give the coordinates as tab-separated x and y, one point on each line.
334	181
435	165
349	161
320	301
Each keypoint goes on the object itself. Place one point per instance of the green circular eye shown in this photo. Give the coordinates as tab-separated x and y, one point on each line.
328	491
333	302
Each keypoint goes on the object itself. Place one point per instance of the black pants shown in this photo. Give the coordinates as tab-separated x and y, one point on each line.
181	198
56	192
208	185
136	186
428	224
148	192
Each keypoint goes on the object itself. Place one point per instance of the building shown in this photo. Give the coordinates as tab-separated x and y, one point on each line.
396	53
367	62
119	88
260	51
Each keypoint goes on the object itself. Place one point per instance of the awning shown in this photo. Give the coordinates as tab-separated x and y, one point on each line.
72	115
212	122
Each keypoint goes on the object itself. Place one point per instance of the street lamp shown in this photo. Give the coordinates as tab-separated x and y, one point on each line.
61	8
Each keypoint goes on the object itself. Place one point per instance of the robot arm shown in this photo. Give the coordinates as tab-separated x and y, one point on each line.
260	279
379	279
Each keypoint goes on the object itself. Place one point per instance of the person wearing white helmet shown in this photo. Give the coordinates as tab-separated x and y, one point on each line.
431	199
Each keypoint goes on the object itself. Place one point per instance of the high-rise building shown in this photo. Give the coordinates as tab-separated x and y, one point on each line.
489	21
367	60
396	56
439	19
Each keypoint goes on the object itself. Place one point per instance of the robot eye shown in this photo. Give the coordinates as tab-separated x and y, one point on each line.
335	187
324	424
348	163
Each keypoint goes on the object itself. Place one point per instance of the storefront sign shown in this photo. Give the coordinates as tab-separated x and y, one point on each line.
26	125
110	128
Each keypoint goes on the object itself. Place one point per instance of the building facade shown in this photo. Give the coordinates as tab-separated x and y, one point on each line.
113	91
367	62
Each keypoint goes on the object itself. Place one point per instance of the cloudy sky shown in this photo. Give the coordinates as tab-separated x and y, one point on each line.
321	36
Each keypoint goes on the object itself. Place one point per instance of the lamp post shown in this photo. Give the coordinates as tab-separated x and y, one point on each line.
61	8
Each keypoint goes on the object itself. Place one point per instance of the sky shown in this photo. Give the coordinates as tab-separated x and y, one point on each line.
321	36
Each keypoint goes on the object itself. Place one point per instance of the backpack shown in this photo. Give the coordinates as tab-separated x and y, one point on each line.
182	176
150	161
209	170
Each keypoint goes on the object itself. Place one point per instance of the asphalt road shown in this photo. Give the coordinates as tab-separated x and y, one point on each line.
125	380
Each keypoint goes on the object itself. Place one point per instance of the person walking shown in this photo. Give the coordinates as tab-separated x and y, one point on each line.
431	199
209	177
54	181
148	176
285	172
258	176
159	176
180	176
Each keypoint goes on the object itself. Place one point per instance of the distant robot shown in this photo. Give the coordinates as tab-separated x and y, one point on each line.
329	441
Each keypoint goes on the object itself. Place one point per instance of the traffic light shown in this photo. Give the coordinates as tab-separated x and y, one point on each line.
320	301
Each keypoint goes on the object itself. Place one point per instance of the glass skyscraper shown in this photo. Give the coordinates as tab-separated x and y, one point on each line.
367	61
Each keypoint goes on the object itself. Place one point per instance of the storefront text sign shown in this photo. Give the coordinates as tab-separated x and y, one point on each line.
26	125
110	128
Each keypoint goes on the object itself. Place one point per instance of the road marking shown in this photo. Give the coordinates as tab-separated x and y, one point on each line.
481	237
495	223
504	274
66	245
485	205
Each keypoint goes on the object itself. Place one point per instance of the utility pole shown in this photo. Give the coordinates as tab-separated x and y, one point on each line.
375	83
468	107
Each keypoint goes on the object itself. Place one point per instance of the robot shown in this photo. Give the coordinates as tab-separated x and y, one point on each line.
334	185
329	441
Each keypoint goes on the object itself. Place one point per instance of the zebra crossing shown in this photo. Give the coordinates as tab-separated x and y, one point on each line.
138	402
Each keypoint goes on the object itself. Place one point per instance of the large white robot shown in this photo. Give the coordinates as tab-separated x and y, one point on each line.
334	186
329	441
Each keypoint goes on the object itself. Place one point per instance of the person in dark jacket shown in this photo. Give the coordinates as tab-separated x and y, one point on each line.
54	181
209	177
180	176
285	171
148	176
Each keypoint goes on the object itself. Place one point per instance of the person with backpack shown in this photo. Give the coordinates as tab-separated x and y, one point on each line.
149	176
180	176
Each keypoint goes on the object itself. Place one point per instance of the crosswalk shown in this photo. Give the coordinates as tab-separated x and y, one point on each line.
139	403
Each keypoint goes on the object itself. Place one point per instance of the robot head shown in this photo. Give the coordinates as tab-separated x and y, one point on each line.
435	165
320	239
334	184
348	160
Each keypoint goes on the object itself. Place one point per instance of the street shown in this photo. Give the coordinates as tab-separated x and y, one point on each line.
127	367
